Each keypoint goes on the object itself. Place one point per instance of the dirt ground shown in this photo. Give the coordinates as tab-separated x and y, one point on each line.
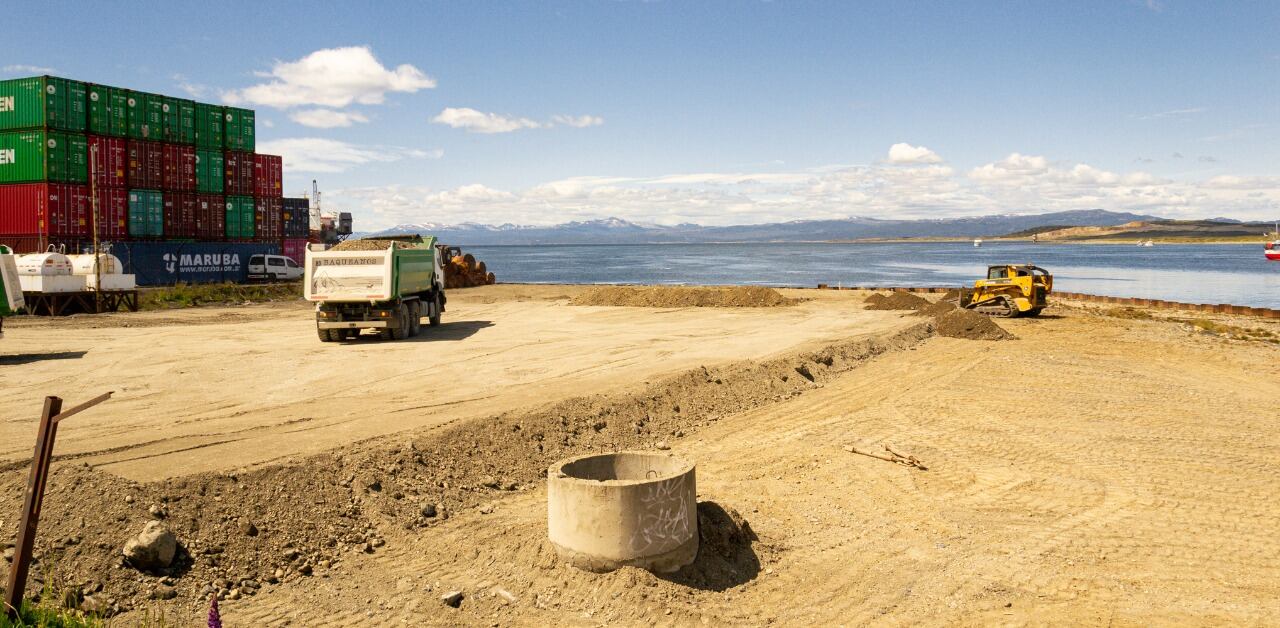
228	388
1097	469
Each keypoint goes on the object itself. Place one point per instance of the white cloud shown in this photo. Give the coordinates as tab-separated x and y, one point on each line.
903	153
331	77
1018	183
266	122
315	154
28	69
326	118
1173	113
579	122
481	122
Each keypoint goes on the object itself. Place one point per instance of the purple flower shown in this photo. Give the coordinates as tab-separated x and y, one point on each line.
215	621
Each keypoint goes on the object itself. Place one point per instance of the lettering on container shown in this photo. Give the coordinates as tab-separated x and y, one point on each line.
201	263
6	104
8	156
349	261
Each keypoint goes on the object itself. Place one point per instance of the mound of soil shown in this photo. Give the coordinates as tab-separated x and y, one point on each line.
668	296
369	245
970	325
896	301
936	309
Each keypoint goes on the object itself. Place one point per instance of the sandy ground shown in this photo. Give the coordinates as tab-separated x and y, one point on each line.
227	388
1097	470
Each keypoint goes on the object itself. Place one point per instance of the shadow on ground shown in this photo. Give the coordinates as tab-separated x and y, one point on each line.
28	358
726	557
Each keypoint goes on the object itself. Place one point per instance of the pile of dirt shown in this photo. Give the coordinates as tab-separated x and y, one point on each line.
241	534
970	325
669	296
369	245
936	309
895	301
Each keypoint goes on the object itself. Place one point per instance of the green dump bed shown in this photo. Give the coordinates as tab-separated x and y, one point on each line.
381	274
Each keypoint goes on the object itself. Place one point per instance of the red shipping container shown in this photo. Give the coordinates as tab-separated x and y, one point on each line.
268	176
294	249
268	219
44	209
113	213
179	215
146	165
211	216
109	160
179	168
239	174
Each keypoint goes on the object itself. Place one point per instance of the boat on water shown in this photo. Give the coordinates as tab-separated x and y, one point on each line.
977	242
1272	249
1147	243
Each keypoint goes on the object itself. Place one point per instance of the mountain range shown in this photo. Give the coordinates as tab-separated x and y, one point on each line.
619	231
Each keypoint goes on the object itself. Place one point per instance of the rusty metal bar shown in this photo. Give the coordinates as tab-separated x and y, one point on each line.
31	507
84	406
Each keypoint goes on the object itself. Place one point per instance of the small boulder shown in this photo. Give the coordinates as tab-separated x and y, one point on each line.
452	599
153	548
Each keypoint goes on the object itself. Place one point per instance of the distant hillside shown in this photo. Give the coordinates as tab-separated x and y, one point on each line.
1215	229
618	231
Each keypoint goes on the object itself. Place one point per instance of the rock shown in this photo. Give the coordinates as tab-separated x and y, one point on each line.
486	509
663	445
153	548
248	529
378	542
128	499
156	512
507	596
429	510
8	555
291	554
164	592
234	594
489	481
452	599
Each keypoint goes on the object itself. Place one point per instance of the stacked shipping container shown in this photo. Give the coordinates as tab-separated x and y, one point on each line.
164	169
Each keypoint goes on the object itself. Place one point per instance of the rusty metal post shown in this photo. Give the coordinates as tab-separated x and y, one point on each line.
31	507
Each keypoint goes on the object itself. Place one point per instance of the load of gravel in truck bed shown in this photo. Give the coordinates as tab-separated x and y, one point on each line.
370	245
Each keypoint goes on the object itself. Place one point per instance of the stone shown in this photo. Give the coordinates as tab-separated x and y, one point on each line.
452	599
128	499
248	529
486	509
663	445
8	555
164	592
429	510
489	481
153	548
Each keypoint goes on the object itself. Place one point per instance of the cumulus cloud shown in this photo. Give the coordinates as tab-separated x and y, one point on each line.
481	122
1017	183
331	77
903	153
315	154
579	122
326	118
475	121
28	69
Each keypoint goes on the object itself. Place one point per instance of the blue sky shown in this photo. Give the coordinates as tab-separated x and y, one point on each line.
716	112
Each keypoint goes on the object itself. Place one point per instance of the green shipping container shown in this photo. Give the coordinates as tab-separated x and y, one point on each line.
240	211
210	126
179	120
241	129
39	156
108	110
146	214
146	116
42	102
209	171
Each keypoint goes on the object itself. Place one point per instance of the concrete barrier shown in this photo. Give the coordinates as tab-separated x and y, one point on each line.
630	508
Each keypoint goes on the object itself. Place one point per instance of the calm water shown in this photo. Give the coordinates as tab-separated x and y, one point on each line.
1236	274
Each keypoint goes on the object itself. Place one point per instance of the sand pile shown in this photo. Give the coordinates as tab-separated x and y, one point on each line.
667	296
369	245
895	301
936	309
970	325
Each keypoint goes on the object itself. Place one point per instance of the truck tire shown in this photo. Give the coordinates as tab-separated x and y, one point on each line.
401	331
324	334
415	318
436	306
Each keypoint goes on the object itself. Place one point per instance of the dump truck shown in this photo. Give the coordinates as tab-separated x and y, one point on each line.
10	289
1010	290
383	285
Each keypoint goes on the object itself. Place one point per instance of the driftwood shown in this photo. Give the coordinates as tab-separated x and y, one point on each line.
892	456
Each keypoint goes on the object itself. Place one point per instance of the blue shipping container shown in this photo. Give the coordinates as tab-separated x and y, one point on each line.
168	263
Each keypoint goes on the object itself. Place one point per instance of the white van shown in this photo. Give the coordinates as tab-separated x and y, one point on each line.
273	268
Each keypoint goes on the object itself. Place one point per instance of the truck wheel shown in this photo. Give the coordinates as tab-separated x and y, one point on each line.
415	318
401	331
435	311
324	335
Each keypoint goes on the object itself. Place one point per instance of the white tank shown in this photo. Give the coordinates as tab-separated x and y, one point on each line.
43	264
83	264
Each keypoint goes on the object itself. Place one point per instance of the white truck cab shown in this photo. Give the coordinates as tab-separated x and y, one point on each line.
265	267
